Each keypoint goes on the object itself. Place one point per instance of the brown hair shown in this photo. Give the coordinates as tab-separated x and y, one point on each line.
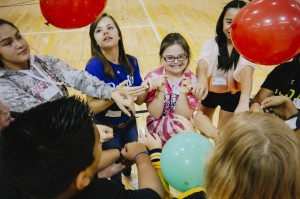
97	52
257	156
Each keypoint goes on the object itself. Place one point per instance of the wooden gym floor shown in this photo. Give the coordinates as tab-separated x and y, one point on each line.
143	23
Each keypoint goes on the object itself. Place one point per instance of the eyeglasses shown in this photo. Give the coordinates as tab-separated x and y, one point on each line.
181	57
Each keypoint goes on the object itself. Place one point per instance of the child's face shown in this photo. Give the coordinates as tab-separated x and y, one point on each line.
106	33
14	50
227	21
175	60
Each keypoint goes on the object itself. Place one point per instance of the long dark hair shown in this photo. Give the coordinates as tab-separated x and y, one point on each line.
4	22
97	52
225	61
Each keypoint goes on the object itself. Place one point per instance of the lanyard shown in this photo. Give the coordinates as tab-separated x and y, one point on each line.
44	79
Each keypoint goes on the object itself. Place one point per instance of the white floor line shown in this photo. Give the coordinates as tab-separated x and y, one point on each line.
151	22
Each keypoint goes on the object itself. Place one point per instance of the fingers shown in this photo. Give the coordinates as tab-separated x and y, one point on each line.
123	83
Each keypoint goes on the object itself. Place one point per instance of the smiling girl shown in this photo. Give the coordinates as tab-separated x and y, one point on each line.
173	88
225	77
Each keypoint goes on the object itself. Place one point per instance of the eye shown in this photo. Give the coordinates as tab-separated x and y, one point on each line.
8	43
19	37
98	31
110	28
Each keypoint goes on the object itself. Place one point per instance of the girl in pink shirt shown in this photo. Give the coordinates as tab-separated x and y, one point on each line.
173	88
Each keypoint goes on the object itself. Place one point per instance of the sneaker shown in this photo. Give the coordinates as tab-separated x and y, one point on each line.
133	181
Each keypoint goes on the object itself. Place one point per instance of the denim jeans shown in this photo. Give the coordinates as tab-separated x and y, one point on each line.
121	137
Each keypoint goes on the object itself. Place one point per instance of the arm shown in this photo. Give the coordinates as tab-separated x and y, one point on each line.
246	87
204	125
108	157
147	176
282	105
156	106
201	88
98	105
154	146
150	85
182	105
261	95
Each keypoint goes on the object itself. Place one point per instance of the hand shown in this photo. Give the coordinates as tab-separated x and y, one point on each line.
274	101
186	85
160	83
187	125
281	105
255	107
123	100
242	107
133	90
204	125
5	117
151	141
111	170
106	133
149	84
200	89
131	149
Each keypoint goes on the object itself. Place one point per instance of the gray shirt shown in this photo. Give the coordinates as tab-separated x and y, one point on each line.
46	80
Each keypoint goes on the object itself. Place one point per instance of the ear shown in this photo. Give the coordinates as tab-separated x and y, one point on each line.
82	180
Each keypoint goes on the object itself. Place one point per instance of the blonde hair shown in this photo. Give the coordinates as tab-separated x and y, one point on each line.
257	156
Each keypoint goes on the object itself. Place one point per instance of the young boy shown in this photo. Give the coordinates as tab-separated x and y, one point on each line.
53	151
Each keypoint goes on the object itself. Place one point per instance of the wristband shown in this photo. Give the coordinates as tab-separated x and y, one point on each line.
139	153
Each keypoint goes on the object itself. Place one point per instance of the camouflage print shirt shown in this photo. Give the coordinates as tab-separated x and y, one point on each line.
46	80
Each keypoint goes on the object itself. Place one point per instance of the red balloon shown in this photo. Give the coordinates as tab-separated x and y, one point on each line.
70	14
267	31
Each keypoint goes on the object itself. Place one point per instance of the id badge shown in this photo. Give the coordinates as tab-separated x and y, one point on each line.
218	81
49	92
111	113
297	103
292	123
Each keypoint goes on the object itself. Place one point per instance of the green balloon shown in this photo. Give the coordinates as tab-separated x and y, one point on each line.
183	159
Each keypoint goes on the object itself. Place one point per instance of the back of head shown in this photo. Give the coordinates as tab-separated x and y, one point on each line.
257	156
44	149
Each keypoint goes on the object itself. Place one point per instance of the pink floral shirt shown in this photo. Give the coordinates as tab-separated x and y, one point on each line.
165	126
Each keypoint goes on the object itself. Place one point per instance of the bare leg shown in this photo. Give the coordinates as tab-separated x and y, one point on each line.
224	116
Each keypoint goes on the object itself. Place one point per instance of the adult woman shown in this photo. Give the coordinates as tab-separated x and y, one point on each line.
28	80
225	77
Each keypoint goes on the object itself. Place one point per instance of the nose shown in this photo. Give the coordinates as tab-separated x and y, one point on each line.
18	44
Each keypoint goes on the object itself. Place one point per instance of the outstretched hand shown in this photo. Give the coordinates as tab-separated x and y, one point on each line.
200	89
133	90
187	125
150	141
106	133
123	101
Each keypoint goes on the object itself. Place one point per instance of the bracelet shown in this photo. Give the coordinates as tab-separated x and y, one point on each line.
139	153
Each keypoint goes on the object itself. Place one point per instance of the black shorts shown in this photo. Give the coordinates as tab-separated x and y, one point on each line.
227	101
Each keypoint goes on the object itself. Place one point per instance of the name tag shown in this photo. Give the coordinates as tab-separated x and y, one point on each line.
292	123
218	81
297	103
111	113
49	92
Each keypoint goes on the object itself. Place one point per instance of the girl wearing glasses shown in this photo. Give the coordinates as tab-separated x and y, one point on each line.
173	88
225	77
